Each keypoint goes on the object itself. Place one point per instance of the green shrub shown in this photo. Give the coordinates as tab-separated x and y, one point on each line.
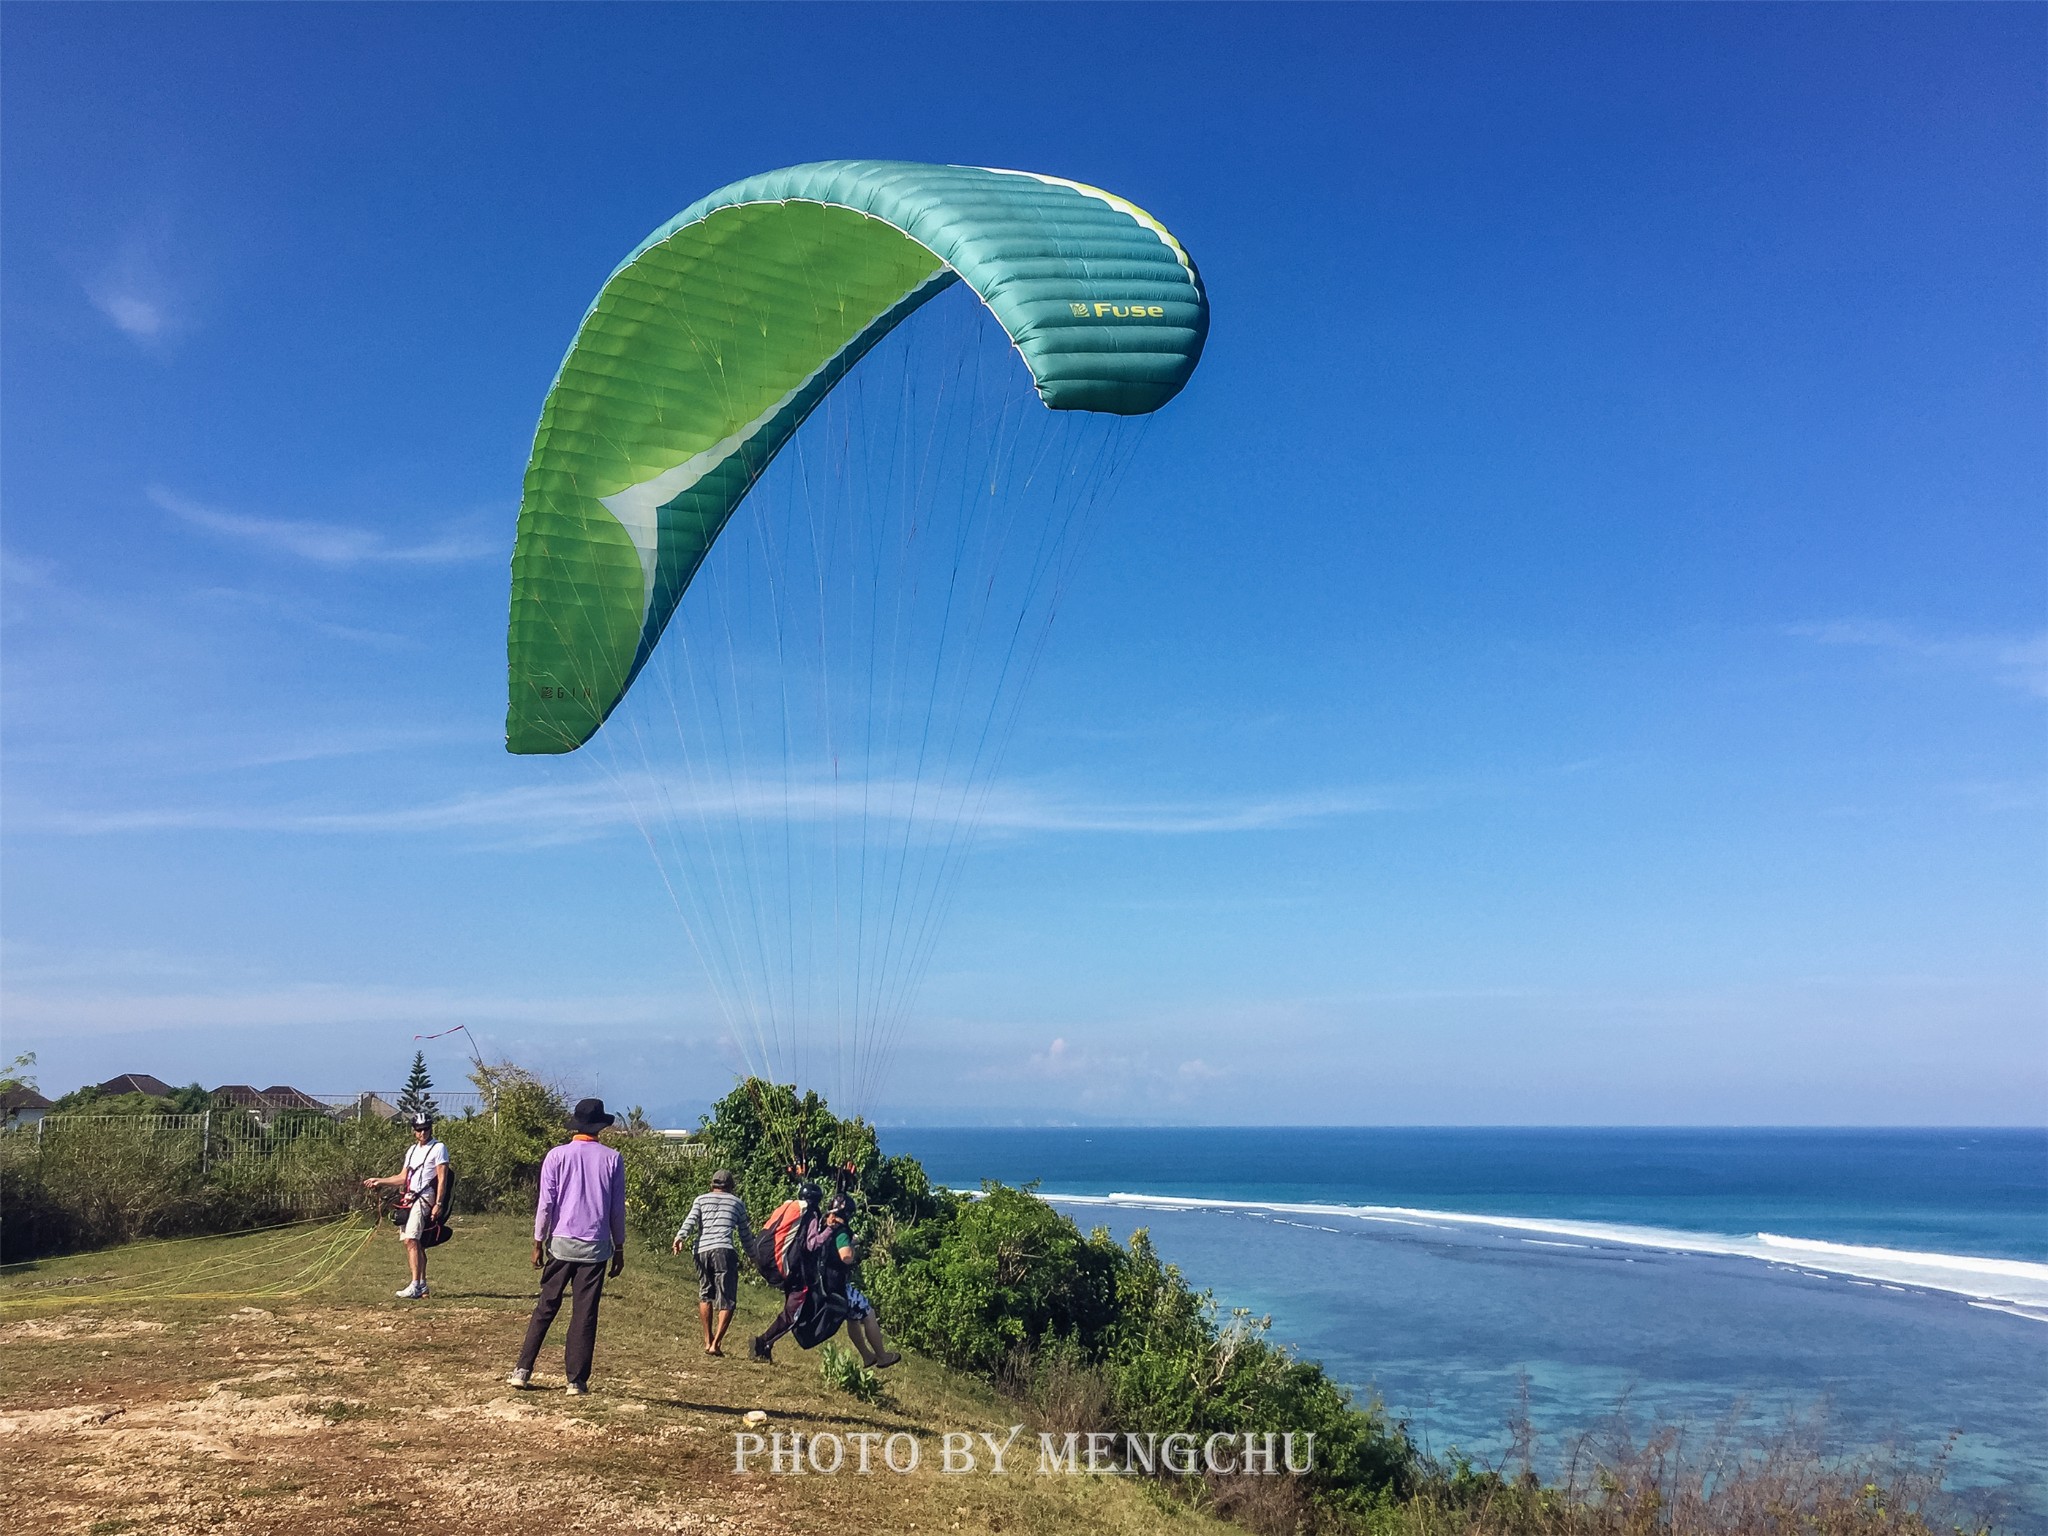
659	1187
764	1131
1100	1337
34	1218
95	1182
496	1152
994	1276
843	1372
1094	1335
90	1101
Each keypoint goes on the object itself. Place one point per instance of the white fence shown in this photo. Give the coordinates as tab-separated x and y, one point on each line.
383	1105
210	1137
99	1166
228	1128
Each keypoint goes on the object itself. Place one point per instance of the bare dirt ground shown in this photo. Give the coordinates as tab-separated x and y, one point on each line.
347	1410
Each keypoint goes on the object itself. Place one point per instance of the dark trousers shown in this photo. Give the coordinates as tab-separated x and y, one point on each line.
792	1304
585	1284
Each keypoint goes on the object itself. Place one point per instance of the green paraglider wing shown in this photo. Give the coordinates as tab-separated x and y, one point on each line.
714	340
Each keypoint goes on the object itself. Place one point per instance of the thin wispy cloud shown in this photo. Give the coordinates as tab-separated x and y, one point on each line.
87	1010
2000	795
135	293
330	544
329	746
187	754
132	312
566	813
28	963
1027	814
37	593
296	613
2015	661
24	570
1100	1081
59	992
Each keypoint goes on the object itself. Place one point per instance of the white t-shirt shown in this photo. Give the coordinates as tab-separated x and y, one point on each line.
420	1163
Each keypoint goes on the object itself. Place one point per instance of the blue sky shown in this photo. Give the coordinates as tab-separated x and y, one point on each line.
1575	654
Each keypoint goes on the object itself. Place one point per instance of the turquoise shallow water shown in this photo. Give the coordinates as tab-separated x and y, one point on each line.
1901	1297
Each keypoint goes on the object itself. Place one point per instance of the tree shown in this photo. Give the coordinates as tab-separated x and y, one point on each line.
90	1101
417	1097
17	1074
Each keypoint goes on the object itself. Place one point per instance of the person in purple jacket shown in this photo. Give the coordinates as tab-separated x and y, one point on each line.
579	1239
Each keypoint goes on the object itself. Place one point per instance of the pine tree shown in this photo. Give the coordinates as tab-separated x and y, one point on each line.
417	1097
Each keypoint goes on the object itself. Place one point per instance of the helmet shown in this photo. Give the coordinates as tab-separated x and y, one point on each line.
423	1121
810	1194
842	1206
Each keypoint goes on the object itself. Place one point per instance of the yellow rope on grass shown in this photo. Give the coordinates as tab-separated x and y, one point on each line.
318	1252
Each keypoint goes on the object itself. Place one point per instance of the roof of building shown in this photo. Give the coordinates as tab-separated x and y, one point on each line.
15	1100
284	1096
137	1082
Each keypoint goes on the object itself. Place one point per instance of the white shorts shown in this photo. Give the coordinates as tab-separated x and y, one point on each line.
416	1218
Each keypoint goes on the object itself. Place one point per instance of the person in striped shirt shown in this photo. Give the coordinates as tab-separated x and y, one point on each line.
719	1219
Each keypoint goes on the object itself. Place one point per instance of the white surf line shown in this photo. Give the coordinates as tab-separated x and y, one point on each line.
2017	1282
2031	1314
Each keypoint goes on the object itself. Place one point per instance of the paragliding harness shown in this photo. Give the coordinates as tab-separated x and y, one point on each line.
789	1249
785	1246
436	1231
778	1248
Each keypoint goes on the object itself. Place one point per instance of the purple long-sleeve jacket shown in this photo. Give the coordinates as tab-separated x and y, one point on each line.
582	1194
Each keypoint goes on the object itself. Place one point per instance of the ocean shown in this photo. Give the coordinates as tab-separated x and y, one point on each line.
1887	1289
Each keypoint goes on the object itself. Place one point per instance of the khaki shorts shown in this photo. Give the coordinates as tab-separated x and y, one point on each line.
718	1278
415	1226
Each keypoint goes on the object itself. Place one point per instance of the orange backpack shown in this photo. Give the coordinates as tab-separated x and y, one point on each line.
778	1249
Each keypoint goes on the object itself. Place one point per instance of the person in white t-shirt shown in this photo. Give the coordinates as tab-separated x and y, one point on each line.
423	1196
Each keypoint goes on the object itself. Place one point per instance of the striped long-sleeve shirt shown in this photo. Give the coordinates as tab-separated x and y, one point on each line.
716	1217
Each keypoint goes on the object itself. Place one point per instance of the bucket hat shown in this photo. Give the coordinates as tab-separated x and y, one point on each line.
589	1117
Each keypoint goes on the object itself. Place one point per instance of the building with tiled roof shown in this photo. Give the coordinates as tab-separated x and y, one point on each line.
22	1106
137	1082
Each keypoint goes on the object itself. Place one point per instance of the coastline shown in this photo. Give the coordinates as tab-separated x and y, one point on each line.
1883	1288
2017	1286
1441	1319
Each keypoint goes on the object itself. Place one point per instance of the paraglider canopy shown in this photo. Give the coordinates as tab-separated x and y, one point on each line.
711	343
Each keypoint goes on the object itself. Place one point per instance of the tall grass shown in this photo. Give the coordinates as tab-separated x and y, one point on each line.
1671	1481
90	1181
87	1181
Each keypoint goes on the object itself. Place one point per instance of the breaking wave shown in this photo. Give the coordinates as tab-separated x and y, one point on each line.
2018	1286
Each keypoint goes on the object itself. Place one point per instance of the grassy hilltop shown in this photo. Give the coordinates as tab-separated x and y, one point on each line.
348	1411
269	1380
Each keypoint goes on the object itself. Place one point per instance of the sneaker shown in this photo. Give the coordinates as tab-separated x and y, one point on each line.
522	1379
411	1292
578	1389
